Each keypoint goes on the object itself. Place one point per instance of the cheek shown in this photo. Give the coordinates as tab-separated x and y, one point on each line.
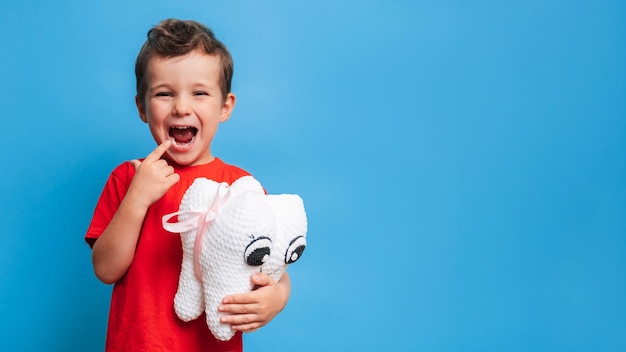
156	113
156	122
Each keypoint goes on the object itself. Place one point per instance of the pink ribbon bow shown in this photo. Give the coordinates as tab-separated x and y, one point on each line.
200	220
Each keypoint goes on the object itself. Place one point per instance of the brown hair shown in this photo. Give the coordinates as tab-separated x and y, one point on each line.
172	38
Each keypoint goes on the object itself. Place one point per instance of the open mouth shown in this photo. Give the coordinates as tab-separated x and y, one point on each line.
183	136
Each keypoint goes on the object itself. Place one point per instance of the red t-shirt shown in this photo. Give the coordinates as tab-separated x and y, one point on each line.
142	316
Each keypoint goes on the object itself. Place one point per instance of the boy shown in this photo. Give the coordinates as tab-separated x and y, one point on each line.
183	92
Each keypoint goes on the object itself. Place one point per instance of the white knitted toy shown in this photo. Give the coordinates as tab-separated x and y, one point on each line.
228	233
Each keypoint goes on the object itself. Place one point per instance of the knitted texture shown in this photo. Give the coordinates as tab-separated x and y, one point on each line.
249	232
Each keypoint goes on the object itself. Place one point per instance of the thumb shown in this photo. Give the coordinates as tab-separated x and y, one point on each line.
135	163
261	279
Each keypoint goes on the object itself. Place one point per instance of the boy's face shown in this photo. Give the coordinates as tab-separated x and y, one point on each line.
184	103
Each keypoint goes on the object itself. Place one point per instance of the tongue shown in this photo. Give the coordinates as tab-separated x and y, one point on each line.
182	135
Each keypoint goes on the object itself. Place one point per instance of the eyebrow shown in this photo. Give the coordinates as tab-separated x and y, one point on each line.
194	86
157	86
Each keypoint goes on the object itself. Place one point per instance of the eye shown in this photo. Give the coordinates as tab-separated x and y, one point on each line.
163	94
200	93
295	249
258	251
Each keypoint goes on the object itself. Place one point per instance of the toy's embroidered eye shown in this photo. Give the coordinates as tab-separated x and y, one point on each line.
295	249
258	251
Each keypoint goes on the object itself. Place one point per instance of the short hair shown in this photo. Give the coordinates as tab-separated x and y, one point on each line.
172	38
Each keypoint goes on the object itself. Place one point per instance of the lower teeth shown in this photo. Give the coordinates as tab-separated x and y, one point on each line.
180	144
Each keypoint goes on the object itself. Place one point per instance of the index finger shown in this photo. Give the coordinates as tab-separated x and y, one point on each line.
158	152
240	298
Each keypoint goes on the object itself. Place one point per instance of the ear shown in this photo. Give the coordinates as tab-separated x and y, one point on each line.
227	107
141	109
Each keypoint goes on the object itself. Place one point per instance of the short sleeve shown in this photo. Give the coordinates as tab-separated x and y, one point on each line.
109	201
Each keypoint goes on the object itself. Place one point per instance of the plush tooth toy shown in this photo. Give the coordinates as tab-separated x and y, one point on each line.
228	233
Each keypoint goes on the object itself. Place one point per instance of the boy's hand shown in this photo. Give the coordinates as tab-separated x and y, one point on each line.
252	310
115	249
153	177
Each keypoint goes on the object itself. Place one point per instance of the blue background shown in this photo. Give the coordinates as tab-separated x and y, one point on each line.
463	164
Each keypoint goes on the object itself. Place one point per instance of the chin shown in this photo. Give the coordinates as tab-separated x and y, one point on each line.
189	160
180	160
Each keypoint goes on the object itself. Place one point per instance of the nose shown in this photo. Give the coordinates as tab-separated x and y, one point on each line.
181	107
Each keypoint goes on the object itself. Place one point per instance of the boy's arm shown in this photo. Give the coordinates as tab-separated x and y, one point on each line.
114	250
252	310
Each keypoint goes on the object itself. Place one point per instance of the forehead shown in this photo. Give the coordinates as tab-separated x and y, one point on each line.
195	64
